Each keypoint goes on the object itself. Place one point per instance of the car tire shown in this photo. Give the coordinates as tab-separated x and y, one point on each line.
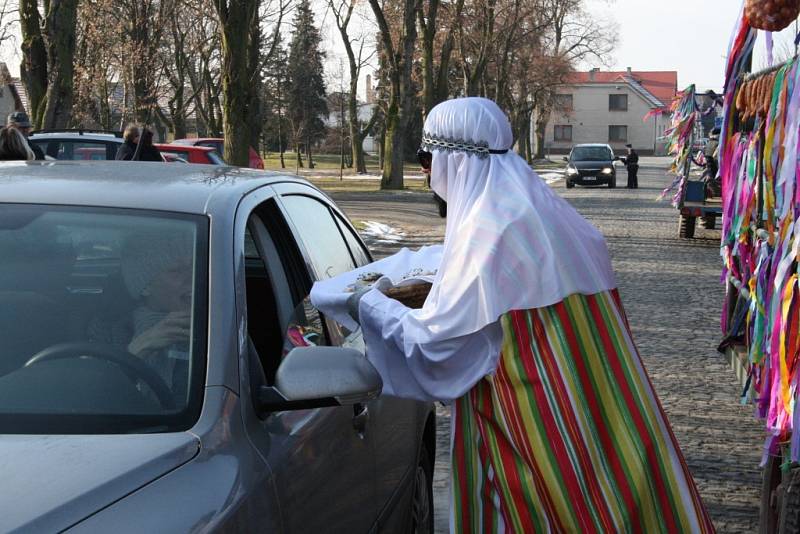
569	184
422	500
709	222
612	184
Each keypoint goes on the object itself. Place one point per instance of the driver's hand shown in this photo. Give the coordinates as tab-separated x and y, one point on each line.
173	328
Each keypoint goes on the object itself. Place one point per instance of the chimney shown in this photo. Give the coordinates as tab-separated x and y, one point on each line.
592	73
370	95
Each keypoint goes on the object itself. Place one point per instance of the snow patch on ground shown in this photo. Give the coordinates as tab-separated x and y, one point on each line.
551	177
381	233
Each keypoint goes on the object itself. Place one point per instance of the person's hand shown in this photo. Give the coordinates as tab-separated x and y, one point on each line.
174	328
353	301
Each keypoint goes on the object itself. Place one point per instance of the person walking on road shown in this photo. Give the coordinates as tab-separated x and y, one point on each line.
631	162
21	121
555	424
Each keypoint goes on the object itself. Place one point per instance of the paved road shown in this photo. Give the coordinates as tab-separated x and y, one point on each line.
671	293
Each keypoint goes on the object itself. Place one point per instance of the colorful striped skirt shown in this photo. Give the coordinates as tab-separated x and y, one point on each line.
568	435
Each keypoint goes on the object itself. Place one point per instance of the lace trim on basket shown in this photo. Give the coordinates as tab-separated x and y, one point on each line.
481	149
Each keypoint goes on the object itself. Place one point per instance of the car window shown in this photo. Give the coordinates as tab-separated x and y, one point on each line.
359	252
215	158
591	153
77	150
320	234
101	320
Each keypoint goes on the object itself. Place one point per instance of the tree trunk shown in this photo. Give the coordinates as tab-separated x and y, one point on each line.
540	128
401	93
308	154
235	15
255	120
59	38
33	69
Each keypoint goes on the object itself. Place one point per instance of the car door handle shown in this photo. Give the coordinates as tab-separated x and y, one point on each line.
360	419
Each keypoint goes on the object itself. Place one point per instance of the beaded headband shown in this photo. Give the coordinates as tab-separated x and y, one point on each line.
481	149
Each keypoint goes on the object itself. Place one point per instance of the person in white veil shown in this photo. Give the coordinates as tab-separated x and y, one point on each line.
555	425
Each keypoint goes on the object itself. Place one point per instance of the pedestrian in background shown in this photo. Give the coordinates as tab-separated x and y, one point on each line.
146	151
21	121
14	146
127	149
632	164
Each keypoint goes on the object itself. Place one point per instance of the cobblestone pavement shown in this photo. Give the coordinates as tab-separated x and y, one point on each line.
672	297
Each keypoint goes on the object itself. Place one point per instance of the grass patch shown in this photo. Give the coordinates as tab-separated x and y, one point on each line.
326	162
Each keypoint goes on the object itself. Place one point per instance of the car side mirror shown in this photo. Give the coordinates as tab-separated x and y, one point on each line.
318	377
566	159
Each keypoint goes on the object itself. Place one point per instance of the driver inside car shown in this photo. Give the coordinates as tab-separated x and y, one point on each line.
157	273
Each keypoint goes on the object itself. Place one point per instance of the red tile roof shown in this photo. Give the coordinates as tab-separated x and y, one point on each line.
661	84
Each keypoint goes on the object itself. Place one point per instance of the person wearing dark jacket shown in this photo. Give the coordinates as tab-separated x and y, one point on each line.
148	152
21	121
632	164
127	150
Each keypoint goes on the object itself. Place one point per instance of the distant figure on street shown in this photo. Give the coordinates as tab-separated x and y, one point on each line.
127	149
632	164
146	150
14	146
21	121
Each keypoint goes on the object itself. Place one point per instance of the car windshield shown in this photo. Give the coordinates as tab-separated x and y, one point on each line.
591	153
102	320
215	159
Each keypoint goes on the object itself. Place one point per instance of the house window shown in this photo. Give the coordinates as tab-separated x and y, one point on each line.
618	134
564	103
617	102
562	133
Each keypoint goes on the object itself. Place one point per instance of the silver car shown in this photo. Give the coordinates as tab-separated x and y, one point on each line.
162	368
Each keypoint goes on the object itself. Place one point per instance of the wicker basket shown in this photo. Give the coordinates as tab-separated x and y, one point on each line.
412	295
772	15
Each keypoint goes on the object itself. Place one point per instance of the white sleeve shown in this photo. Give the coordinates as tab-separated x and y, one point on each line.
437	371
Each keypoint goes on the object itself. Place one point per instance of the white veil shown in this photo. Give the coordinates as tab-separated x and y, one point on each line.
511	243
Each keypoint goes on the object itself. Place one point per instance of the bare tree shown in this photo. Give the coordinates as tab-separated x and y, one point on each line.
343	13
235	20
398	54
436	74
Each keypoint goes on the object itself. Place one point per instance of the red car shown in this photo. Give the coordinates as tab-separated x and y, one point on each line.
219	144
190	154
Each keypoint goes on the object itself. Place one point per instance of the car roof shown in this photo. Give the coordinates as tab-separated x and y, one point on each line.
184	148
190	140
131	184
605	145
91	136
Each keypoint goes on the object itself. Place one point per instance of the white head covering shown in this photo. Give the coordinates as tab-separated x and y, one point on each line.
511	243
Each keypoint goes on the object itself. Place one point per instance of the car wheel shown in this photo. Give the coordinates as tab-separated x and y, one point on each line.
686	227
569	184
422	502
612	184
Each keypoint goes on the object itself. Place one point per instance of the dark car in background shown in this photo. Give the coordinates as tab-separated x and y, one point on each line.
256	414
590	164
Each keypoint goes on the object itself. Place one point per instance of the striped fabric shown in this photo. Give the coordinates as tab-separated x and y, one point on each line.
568	435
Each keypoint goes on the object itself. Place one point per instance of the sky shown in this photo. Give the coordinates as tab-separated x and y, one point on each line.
688	36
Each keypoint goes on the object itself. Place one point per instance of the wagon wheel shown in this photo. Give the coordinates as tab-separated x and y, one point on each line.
770	508
789	503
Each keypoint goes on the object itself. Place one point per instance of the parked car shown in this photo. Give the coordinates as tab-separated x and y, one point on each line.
590	164
219	144
191	154
244	409
77	144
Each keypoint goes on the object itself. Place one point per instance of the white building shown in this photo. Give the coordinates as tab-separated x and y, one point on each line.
610	107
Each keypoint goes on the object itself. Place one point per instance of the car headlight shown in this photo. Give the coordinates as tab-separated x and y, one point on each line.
572	171
607	170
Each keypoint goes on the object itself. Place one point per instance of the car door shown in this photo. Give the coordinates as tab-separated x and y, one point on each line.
323	468
393	426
